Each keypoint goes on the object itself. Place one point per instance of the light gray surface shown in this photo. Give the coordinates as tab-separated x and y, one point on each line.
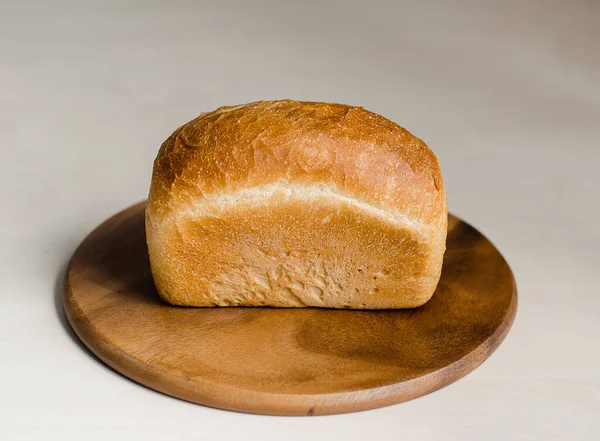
506	93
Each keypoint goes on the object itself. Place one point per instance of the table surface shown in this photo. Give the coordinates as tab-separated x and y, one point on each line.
507	93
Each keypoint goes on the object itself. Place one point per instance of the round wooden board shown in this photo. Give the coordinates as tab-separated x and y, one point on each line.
286	361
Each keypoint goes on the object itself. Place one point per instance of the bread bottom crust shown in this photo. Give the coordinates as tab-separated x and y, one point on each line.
294	252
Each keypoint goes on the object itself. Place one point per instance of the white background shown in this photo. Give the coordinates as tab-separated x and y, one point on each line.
507	93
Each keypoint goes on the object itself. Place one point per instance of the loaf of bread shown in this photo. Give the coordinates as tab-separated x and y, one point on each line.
293	204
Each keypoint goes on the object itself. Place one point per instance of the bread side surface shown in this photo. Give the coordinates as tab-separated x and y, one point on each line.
296	204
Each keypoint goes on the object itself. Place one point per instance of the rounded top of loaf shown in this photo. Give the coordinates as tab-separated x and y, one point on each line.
349	150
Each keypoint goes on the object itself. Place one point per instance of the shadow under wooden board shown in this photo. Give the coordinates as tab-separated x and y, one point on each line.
286	361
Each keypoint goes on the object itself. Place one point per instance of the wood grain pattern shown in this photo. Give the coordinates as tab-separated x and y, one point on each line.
286	361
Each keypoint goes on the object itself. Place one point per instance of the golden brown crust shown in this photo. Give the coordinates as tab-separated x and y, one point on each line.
370	170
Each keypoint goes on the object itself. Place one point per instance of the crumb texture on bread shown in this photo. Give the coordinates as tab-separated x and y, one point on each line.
289	203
